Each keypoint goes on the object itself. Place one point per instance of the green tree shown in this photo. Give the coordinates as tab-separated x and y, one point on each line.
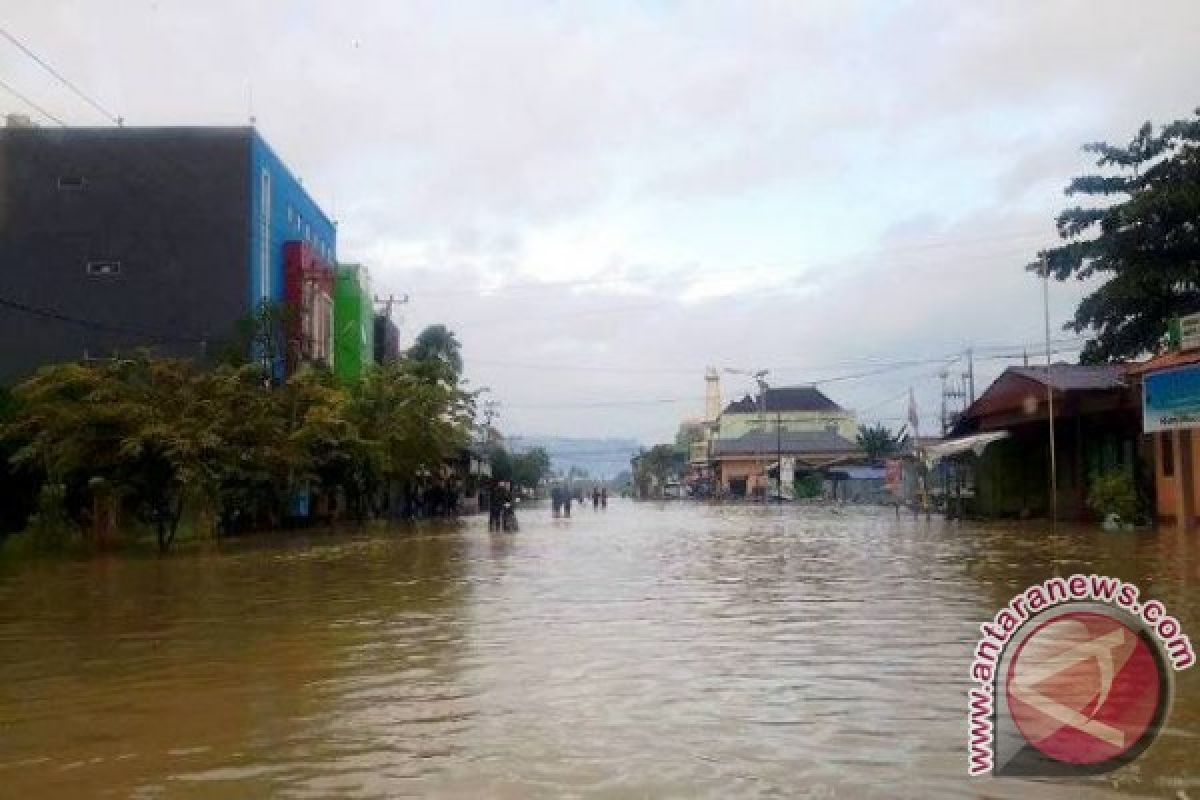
136	432
330	450
501	463
654	467
438	343
265	337
414	415
878	441
1141	233
530	467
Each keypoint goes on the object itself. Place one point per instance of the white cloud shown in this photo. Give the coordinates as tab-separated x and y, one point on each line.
769	184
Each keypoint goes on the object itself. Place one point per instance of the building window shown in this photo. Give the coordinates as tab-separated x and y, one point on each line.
103	269
71	182
264	256
1166	448
291	213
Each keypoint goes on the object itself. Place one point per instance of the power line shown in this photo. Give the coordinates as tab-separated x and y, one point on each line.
61	78
581	282
48	313
31	104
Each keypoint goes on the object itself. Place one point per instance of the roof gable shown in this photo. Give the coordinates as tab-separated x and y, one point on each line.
785	398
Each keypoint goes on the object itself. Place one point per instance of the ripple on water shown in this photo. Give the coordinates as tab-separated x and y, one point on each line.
649	651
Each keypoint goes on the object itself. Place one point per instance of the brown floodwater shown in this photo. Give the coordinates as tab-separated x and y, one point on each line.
646	651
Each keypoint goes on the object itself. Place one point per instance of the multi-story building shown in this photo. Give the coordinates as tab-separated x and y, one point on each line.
765	441
792	409
117	238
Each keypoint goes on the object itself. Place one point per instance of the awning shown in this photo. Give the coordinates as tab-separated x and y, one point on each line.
975	443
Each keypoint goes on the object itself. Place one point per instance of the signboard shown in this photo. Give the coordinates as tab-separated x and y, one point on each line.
1171	399
894	475
1189	332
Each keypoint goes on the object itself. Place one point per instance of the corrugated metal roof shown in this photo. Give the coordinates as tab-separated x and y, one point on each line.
1076	377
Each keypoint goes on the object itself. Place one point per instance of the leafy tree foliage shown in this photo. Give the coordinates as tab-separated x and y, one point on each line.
530	467
878	441
1141	232
524	469
438	343
653	467
154	436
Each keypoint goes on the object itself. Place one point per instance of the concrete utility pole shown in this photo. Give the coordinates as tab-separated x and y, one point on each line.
971	375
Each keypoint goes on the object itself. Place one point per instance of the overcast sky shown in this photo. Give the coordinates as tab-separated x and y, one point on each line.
603	198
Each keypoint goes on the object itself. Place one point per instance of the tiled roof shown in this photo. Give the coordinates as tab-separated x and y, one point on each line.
790	442
786	398
1165	361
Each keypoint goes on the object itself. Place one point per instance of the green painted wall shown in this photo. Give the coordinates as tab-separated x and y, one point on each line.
354	323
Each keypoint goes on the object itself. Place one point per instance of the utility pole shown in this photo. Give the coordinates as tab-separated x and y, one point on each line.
490	412
1050	396
779	453
760	377
943	375
971	375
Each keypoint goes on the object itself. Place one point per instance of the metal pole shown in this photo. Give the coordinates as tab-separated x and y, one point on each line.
1050	397
779	452
762	442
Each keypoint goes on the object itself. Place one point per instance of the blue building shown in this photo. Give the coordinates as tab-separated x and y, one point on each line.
115	239
281	211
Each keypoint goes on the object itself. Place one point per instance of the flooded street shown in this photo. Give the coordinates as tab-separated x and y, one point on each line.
645	651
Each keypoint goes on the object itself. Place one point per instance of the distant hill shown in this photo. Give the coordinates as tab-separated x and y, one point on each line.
601	458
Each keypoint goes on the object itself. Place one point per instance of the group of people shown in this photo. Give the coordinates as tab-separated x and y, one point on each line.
561	499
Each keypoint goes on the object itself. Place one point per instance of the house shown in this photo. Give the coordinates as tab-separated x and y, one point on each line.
1004	436
791	408
118	238
1170	391
743	465
786	431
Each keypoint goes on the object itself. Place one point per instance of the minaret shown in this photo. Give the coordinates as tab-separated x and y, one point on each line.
712	395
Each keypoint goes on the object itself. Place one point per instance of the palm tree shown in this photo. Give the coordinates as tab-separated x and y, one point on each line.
878	441
438	343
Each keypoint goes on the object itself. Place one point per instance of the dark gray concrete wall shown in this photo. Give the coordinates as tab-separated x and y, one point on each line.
170	205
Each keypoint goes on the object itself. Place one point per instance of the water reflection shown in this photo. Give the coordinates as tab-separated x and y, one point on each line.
645	651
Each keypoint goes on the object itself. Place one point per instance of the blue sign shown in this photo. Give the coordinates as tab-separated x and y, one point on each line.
1171	399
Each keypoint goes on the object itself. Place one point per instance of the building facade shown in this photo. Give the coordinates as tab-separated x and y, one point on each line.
1170	397
1096	431
113	239
794	409
354	337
